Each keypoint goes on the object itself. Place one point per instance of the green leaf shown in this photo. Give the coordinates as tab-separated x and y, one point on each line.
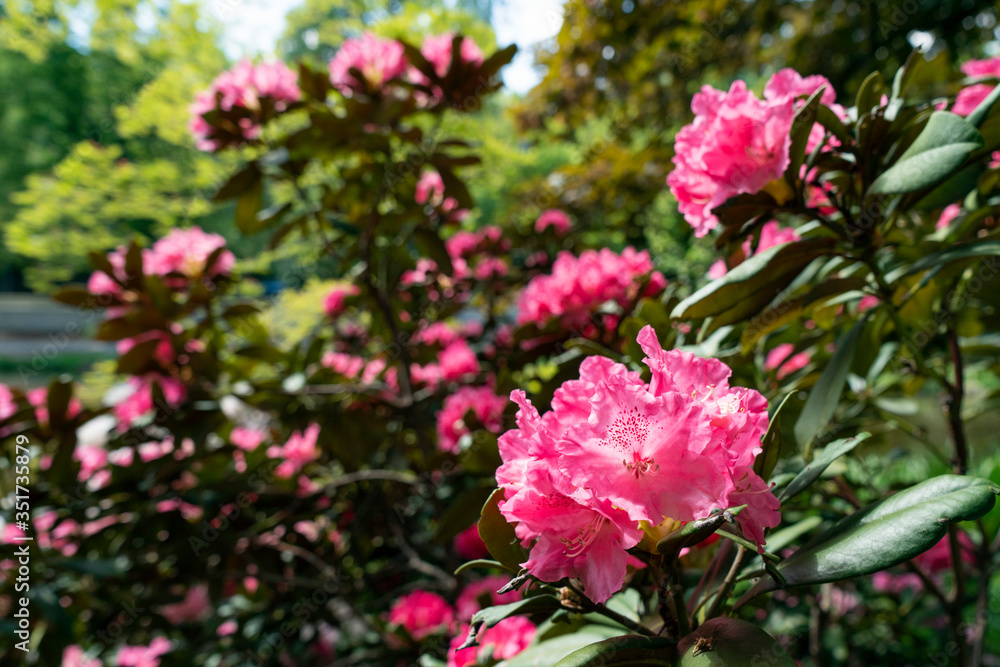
802	125
954	188
736	211
764	464
829	120
694	532
238	183
753	284
870	93
483	563
825	395
492	615
551	651
624	650
730	642
247	207
972	250
462	513
821	462
886	533
942	147
498	535
431	245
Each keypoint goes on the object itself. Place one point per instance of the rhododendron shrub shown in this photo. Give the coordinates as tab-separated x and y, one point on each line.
669	456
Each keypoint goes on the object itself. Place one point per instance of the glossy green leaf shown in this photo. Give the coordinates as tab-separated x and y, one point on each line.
821	462
942	147
551	651
988	248
765	462
982	112
753	284
247	207
870	93
886	533
694	532
498	535
625	650
492	615
802	125
825	395
730	642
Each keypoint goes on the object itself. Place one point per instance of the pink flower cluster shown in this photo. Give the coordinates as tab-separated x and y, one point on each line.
554	218
474	255
194	607
501	642
437	51
140	401
770	235
737	143
336	300
784	362
971	96
614	451
182	251
245	86
422	614
377	60
143	656
578	285
456	361
482	402
299	450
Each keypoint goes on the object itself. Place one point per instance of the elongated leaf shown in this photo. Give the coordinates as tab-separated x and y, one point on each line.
825	395
764	464
885	534
942	146
730	642
694	532
954	253
753	284
821	462
498	535
480	563
954	188
626	650
870	93
247	206
802	125
551	651
492	615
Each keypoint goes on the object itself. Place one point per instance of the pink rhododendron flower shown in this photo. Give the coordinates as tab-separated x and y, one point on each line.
949	213
455	361
337	299
347	365
378	60
867	303
483	593
737	143
485	405
226	628
186	251
971	96
8	407
555	218
73	656
789	84
614	451
143	656
430	188
422	614
195	606
779	359
299	450
247	439
501	642
92	458
249	87
578	285
770	235
469	545
10	533
437	51
140	401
